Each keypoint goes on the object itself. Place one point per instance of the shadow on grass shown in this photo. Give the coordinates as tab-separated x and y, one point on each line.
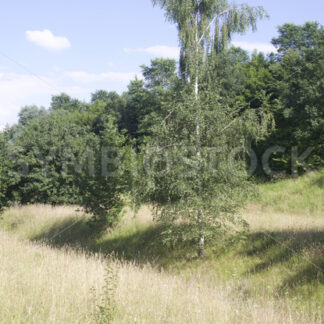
72	231
139	244
301	252
319	182
146	245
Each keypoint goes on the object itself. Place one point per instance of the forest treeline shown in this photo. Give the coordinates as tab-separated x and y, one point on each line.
92	153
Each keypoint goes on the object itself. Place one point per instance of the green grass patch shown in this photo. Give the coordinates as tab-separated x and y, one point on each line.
303	195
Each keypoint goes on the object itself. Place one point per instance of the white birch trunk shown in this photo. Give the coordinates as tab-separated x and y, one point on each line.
201	248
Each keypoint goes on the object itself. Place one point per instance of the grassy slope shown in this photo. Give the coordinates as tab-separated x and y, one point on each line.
272	276
301	196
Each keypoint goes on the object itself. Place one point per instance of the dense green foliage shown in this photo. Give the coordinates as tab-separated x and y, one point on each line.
6	179
299	113
63	156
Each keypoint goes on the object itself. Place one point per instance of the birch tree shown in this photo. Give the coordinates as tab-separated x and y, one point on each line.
187	183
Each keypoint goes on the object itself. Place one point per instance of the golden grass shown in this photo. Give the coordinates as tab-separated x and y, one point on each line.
29	221
147	296
260	219
42	285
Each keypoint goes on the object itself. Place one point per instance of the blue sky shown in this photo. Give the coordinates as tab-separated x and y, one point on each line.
48	47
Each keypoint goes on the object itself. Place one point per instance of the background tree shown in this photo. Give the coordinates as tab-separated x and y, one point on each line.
140	102
299	85
161	74
65	102
114	104
258	84
40	150
64	156
161	79
30	113
8	179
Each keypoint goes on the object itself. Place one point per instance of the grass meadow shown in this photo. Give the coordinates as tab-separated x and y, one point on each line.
54	268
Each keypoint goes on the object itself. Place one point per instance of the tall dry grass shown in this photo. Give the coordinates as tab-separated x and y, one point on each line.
33	220
147	296
42	285
273	220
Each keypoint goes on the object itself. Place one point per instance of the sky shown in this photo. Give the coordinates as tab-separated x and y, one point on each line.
78	47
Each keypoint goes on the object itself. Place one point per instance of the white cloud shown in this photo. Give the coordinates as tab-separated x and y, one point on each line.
47	40
159	51
85	77
251	46
18	89
174	52
2	127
